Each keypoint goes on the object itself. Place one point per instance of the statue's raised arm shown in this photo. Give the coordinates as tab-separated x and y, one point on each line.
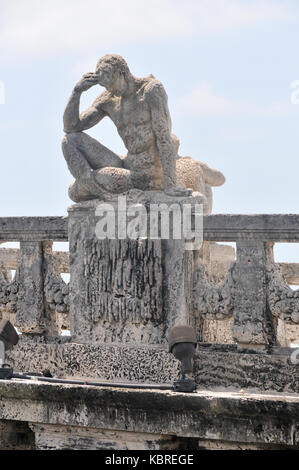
73	121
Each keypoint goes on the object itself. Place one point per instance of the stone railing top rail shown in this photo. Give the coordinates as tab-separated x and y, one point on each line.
217	227
33	229
263	227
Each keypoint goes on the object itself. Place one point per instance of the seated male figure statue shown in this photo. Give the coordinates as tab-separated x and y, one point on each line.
138	107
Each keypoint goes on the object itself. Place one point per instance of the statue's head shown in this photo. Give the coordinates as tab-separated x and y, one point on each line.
113	72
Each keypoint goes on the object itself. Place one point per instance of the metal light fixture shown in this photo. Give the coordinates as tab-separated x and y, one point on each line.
182	343
8	339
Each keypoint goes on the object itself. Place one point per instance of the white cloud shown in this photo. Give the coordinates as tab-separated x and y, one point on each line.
203	101
37	27
214	16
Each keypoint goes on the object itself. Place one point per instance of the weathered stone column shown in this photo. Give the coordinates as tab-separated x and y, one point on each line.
115	285
253	324
35	277
178	264
5	278
29	318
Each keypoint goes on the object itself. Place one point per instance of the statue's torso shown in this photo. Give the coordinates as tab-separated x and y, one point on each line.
132	118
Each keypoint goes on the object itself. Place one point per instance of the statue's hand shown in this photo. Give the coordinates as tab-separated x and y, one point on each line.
178	191
87	81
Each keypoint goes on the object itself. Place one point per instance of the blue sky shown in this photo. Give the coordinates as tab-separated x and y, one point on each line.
227	66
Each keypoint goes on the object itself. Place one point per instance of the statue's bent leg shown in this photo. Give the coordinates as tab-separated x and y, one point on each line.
83	153
110	179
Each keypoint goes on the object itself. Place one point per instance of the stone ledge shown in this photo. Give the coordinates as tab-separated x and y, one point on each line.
214	416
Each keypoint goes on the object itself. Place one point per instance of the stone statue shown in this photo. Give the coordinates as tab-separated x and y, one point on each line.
130	289
197	176
138	107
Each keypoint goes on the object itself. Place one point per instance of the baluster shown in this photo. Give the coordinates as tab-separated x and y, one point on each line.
253	326
30	311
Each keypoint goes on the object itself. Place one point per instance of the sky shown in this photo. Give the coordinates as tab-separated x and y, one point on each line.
228	67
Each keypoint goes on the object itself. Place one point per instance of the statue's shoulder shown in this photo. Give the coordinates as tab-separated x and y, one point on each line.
154	90
102	99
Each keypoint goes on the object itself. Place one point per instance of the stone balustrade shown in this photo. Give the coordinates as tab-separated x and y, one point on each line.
255	291
252	292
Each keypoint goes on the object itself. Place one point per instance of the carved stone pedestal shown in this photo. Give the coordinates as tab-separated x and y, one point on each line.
127	290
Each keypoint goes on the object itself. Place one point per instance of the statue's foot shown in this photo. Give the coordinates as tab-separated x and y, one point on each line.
178	192
79	192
